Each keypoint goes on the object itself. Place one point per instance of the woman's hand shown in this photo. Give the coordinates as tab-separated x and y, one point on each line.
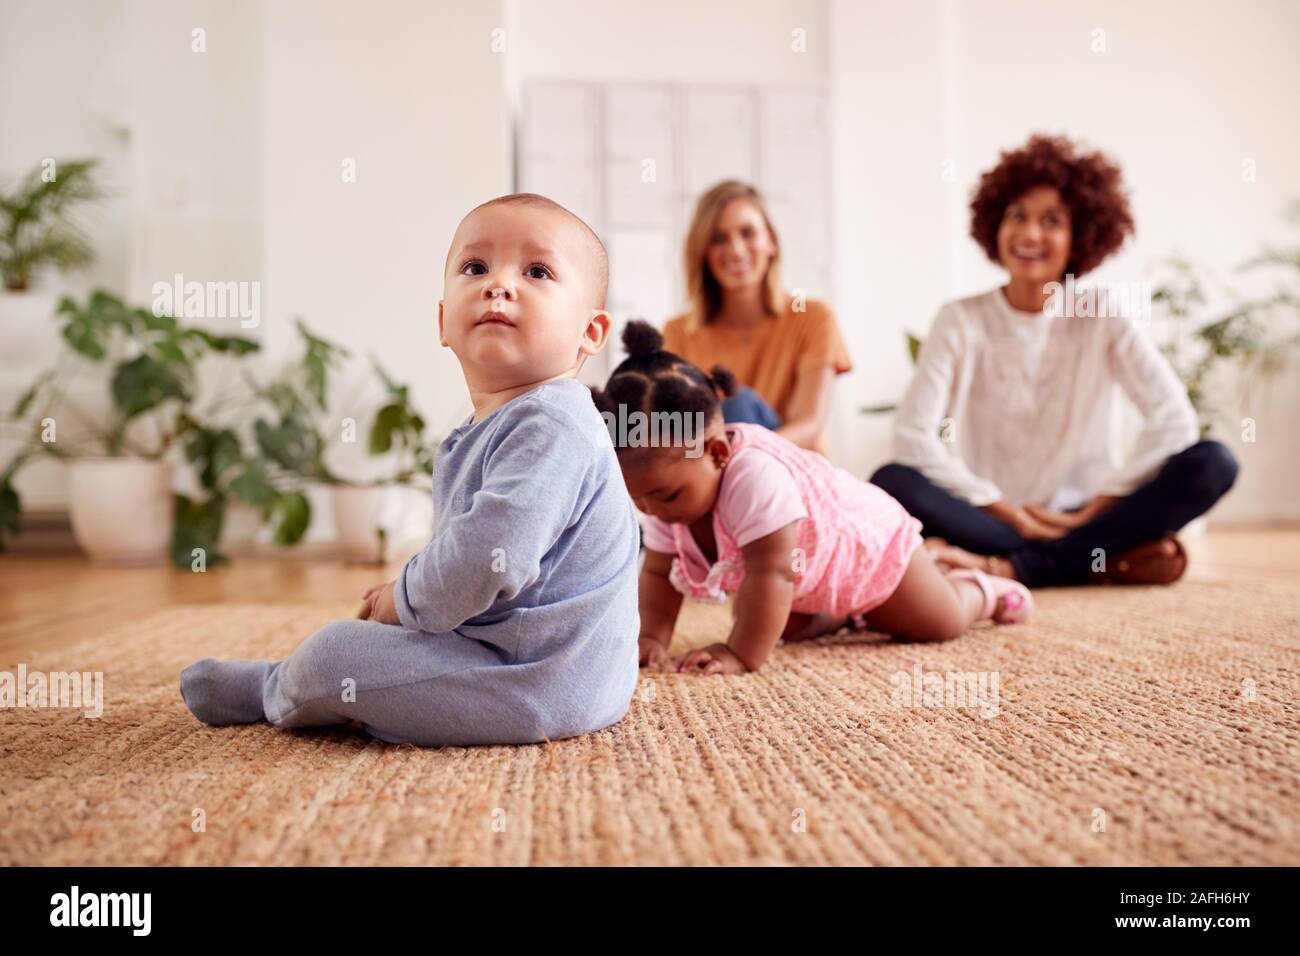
1025	524
714	659
378	604
1069	520
1065	520
653	654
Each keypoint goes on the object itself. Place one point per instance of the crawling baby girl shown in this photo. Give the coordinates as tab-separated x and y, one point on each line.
806	547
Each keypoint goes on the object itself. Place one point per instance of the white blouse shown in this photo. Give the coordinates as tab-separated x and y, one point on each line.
1021	406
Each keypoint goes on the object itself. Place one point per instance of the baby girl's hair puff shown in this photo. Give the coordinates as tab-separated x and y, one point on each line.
652	380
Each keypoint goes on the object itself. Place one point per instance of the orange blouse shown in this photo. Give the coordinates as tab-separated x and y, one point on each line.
769	357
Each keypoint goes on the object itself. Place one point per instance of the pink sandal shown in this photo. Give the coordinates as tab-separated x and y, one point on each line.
1017	602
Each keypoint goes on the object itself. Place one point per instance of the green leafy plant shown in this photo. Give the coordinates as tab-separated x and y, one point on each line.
291	436
261	445
398	426
152	363
36	227
1255	334
295	438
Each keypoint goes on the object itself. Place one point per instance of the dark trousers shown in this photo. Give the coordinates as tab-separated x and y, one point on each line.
1187	486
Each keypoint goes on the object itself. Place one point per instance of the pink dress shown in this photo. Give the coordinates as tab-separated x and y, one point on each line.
854	540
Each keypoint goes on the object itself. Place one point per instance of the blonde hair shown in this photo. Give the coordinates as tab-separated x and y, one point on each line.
701	286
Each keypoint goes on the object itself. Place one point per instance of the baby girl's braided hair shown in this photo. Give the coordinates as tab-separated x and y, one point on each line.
653	380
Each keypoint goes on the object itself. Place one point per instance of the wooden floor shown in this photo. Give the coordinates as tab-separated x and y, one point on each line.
50	601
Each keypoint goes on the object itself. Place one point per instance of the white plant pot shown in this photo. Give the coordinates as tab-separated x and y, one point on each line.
29	334
121	509
358	517
241	527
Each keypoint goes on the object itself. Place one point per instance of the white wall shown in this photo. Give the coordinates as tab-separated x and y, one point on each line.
416	97
228	164
723	41
894	235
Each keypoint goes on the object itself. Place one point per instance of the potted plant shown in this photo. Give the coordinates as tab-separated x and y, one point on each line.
365	512
36	227
1255	335
288	444
38	232
293	440
120	479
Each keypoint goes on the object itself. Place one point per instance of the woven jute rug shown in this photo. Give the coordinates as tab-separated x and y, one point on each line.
1125	726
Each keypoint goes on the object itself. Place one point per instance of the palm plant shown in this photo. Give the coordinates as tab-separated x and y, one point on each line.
36	228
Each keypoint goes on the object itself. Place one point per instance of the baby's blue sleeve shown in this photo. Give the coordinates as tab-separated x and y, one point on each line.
534	480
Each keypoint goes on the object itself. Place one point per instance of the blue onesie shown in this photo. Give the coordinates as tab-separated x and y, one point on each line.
519	619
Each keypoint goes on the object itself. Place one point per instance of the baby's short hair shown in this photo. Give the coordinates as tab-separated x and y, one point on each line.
596	247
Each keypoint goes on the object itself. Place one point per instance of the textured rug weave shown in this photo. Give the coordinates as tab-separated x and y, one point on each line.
1125	726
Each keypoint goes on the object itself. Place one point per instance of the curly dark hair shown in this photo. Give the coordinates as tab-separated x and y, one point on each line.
1090	184
653	380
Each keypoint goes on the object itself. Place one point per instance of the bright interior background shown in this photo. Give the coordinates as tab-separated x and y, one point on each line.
225	165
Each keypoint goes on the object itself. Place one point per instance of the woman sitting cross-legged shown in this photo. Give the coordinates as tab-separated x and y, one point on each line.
1003	442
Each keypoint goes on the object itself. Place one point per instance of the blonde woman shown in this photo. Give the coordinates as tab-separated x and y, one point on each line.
786	352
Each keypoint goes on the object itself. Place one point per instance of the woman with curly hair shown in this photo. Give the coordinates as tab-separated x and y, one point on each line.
1003	441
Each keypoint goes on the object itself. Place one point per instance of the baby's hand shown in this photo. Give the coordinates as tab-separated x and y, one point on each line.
653	653
378	605
714	659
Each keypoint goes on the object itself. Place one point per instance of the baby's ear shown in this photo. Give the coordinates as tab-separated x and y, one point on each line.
596	334
442	337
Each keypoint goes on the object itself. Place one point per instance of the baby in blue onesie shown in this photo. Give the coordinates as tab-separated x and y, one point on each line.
518	622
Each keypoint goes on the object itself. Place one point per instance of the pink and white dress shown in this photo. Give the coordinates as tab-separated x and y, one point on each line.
854	541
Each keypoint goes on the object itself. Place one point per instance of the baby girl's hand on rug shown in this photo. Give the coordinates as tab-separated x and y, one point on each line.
653	653
714	659
379	605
